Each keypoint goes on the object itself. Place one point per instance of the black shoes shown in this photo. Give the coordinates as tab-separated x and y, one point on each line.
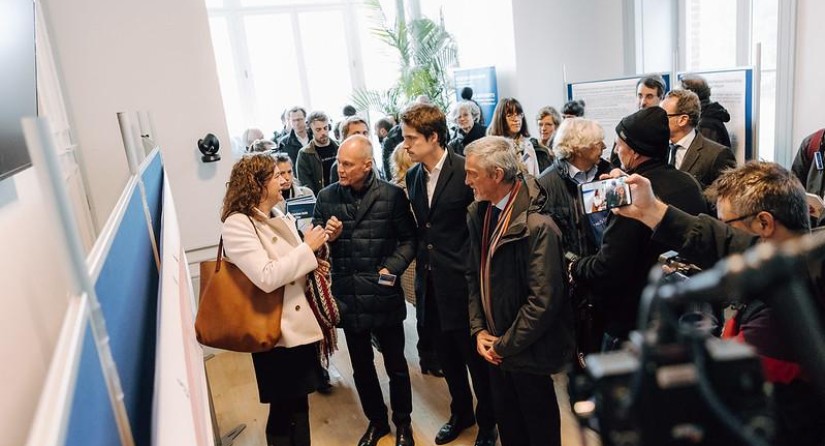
486	437
430	366
404	436
325	387
374	433
452	429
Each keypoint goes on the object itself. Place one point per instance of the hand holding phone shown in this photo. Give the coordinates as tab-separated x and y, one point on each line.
598	196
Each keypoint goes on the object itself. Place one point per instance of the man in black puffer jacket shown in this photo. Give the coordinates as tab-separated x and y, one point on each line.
371	231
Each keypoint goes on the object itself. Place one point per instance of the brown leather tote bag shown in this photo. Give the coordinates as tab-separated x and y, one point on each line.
234	314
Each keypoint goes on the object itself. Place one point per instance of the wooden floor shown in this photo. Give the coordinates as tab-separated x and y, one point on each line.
337	419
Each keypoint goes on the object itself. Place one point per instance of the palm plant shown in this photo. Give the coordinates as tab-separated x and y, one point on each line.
426	52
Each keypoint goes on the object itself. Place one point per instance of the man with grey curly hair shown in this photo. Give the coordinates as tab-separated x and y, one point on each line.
520	313
578	146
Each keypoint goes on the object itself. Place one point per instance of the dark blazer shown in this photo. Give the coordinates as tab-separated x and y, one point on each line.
706	159
442	239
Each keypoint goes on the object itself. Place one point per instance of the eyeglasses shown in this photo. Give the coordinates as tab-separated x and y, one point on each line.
734	220
514	116
670	115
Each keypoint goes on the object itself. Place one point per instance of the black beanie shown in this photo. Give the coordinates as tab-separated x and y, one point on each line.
646	132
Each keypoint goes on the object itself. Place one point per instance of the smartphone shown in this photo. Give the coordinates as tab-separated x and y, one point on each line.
598	196
386	279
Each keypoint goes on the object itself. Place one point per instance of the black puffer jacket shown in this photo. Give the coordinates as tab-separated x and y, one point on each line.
379	232
712	123
530	306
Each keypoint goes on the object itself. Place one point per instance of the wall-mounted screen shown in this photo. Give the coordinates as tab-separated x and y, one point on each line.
18	82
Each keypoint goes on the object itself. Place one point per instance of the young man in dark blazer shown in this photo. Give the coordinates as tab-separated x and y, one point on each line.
439	200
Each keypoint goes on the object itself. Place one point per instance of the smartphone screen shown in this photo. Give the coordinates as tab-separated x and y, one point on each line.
598	196
386	279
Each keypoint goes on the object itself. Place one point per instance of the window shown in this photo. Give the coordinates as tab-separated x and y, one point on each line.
710	31
726	34
274	54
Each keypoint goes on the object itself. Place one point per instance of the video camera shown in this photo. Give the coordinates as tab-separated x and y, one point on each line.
675	384
673	379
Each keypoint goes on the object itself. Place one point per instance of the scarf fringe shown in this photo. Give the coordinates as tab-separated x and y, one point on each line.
323	305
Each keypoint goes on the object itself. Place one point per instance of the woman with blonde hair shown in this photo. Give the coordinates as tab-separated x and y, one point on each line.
508	121
269	250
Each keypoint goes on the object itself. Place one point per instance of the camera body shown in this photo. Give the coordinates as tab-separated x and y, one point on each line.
651	393
655	400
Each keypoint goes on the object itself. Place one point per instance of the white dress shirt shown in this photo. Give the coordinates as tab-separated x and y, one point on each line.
432	177
684	144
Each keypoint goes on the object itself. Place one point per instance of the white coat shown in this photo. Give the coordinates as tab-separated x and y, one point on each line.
272	255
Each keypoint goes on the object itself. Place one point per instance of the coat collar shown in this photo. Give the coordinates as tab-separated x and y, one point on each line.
370	195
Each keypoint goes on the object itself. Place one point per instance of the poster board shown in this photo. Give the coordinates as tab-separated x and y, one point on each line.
608	101
733	89
485	88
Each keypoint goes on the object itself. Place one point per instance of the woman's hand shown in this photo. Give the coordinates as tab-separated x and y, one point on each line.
315	237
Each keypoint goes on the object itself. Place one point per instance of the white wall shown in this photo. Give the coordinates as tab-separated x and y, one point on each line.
809	89
150	55
586	37
529	41
111	56
35	280
483	30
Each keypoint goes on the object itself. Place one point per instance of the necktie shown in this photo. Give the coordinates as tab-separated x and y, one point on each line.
494	218
671	155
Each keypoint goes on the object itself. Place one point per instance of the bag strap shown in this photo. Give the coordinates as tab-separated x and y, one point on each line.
219	257
815	144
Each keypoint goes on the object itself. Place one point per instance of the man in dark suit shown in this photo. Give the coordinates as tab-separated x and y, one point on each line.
439	200
690	151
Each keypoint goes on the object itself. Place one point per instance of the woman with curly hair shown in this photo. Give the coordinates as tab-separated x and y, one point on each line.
269	250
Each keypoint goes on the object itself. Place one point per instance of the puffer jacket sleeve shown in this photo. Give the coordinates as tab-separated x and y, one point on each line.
546	291
244	249
404	223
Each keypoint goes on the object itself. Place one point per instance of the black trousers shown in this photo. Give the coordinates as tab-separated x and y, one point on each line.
526	408
457	352
391	340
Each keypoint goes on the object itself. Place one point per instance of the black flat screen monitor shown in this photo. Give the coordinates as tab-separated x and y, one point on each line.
18	82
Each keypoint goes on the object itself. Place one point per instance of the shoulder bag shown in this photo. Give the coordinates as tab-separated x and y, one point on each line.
234	314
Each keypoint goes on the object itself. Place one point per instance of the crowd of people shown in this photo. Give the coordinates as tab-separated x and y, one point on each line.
514	279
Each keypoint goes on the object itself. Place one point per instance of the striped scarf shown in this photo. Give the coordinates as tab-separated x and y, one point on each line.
323	305
489	242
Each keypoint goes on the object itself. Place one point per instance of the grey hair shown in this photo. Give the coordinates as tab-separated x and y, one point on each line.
262	145
470	106
576	134
496	152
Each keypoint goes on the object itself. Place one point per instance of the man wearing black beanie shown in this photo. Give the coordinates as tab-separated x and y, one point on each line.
618	273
